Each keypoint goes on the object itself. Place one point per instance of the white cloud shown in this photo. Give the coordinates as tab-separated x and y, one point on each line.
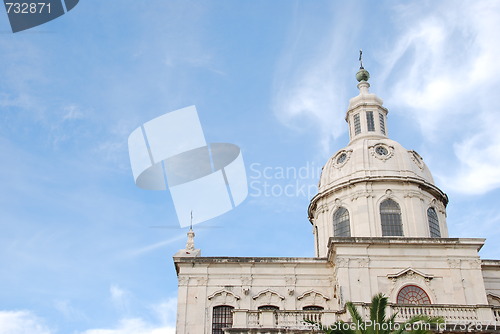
120	298
479	157
443	71
149	248
308	94
69	311
133	326
22	322
72	112
164	312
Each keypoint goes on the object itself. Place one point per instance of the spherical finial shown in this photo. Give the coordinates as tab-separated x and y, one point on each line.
362	75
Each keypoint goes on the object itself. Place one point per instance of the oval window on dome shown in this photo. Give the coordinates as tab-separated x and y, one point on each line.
342	158
381	150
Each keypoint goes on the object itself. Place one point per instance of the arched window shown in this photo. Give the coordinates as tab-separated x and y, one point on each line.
412	294
313	308
341	226
432	217
268	307
390	215
222	317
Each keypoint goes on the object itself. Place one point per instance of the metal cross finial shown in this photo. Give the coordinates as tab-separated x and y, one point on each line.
191	227
361	58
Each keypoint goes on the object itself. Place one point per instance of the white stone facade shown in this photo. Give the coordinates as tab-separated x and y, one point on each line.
380	227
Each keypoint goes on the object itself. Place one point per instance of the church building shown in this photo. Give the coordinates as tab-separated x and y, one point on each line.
379	225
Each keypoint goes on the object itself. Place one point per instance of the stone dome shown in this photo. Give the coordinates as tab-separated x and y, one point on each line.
374	187
373	159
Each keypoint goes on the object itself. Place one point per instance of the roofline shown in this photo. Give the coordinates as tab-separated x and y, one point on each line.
410	241
229	259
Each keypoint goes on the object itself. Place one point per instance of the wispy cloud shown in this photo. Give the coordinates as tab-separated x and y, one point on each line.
443	69
308	92
69	311
120	298
73	112
149	248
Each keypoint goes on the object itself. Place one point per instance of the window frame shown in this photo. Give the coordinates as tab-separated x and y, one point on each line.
421	295
391	220
381	119
357	124
268	307
313	308
225	319
370	121
341	225
433	222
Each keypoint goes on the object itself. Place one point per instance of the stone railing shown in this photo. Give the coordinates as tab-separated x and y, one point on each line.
450	313
496	314
280	319
296	319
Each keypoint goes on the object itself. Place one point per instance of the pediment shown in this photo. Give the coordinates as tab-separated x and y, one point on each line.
223	293
269	293
409	273
312	294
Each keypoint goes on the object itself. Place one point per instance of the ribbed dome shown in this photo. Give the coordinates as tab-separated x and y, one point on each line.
373	158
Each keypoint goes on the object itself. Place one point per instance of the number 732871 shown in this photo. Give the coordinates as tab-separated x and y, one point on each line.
27	7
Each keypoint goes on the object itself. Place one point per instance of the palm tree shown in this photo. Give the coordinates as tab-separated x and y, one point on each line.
379	323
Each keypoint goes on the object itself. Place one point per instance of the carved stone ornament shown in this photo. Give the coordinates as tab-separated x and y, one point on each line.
321	209
342	262
410	276
341	158
412	194
417	159
268	297
266	293
381	151
362	193
363	262
202	281
290	280
246	280
454	263
475	264
224	297
493	299
312	297
183	280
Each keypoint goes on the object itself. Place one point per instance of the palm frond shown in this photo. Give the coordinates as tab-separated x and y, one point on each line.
353	311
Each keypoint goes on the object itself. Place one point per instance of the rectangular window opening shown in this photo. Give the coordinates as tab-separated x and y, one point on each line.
369	121
357	125
382	123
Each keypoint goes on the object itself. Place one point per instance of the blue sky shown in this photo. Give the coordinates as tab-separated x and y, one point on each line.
77	251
